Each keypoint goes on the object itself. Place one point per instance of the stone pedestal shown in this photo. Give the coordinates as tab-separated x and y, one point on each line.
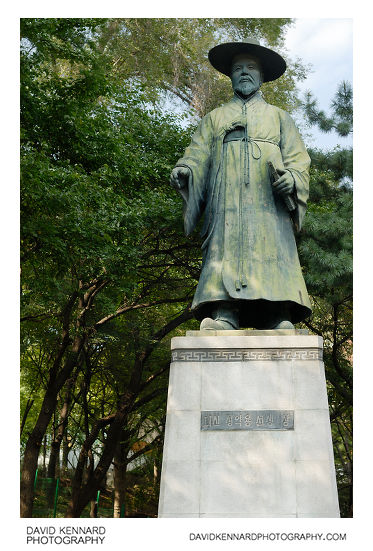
230	447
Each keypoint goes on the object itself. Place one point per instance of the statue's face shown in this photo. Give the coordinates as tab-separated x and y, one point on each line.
246	74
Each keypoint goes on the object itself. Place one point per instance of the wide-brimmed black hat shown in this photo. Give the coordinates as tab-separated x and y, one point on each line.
221	57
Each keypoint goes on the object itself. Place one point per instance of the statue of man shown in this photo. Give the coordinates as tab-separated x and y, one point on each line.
251	276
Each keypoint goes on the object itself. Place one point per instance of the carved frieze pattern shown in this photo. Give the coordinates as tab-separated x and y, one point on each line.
245	354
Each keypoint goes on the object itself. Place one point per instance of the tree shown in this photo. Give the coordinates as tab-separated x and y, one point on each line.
80	233
82	493
325	248
102	236
341	118
182	72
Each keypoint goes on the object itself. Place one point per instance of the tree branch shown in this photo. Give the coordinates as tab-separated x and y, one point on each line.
38	317
125	309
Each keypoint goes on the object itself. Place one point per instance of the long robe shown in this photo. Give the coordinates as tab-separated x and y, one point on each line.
249	250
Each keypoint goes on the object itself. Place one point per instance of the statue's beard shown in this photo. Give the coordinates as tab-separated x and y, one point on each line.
247	88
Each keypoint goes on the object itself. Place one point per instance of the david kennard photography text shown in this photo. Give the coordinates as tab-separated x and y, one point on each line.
65	534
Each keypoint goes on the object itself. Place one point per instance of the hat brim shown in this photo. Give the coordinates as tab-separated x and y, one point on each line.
221	57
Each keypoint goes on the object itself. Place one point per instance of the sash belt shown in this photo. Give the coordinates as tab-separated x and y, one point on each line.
238	134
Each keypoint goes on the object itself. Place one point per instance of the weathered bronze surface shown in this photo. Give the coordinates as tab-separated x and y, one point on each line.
251	276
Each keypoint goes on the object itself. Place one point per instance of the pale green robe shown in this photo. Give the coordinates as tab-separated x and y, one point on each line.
249	249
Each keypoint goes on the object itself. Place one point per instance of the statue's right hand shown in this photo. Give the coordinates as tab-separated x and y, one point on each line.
179	177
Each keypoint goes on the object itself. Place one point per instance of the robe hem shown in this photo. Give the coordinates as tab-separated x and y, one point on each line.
257	313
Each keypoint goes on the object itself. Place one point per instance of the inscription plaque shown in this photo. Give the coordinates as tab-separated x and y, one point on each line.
266	419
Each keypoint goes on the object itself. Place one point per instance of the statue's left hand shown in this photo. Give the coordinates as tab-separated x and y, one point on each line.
285	184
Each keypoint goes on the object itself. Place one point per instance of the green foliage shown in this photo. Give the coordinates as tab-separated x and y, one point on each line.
182	72
326	243
96	208
96	155
341	106
325	247
94	162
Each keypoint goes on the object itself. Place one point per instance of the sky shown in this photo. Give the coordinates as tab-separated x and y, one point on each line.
326	44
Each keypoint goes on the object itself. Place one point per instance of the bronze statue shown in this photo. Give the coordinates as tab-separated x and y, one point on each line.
251	276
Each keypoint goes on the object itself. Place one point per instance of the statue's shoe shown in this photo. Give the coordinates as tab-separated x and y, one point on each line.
284	325
216	325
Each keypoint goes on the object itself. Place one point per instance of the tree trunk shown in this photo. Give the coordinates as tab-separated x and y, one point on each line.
30	460
44	455
25	414
56	444
120	472
351	501
90	469
82	494
32	449
54	454
65	455
155	473
93	509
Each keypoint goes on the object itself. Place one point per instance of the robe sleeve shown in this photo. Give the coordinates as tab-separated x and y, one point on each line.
297	161
197	158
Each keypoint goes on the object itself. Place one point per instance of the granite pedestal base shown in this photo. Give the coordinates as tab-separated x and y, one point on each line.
254	470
